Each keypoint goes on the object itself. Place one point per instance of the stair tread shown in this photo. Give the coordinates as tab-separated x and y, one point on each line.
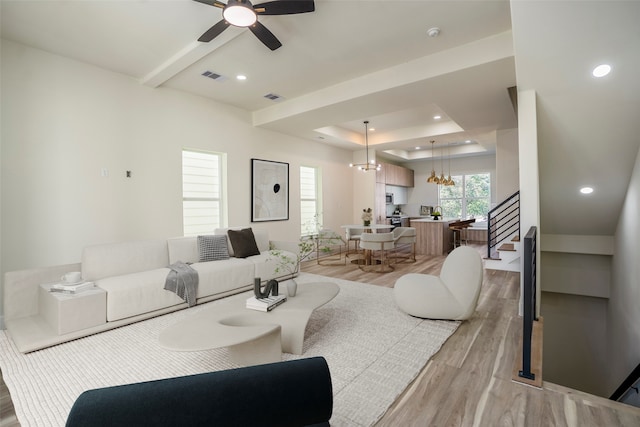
507	247
515	239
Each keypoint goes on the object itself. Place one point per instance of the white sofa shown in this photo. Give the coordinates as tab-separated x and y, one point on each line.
131	278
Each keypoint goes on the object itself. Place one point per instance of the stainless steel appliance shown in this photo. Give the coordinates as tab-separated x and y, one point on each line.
396	221
389	198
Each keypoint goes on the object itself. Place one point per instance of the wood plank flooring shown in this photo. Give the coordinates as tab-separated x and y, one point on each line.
468	383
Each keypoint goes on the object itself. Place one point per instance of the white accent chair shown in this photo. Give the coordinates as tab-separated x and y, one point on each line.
378	244
452	296
403	236
353	235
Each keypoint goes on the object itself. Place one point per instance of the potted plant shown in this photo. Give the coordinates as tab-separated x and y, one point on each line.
436	215
290	264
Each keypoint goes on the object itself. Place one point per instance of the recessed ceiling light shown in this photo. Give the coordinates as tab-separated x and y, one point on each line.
586	190
241	77
372	129
468	141
433	32
437	117
601	70
417	148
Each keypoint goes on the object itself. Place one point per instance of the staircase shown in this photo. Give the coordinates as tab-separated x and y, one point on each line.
503	235
507	256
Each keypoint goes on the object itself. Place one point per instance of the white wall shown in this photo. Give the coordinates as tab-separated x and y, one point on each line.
574	348
64	121
624	302
507	164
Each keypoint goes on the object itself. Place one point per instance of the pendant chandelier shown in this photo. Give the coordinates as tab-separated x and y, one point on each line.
370	164
433	178
449	181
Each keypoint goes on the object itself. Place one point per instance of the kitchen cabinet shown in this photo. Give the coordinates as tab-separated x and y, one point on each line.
399	194
380	209
395	175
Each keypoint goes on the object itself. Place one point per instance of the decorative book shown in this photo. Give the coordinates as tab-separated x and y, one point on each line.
71	288
265	304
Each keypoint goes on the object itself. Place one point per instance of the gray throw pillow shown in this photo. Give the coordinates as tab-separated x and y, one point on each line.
243	243
212	248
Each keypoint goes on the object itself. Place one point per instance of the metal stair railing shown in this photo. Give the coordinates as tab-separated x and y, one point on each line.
529	301
502	222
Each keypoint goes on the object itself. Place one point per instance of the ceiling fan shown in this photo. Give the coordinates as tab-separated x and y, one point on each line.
241	13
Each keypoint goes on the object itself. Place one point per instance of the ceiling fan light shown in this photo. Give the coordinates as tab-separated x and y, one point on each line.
240	15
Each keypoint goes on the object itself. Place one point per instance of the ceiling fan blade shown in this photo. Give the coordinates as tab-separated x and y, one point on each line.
214	31
215	3
265	36
284	7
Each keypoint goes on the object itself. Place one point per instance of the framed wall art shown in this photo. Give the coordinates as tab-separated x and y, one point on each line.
269	190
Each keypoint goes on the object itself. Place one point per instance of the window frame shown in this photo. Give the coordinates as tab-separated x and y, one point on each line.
461	180
220	176
309	227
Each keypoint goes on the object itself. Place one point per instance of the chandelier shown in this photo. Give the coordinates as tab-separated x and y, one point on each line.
435	179
370	164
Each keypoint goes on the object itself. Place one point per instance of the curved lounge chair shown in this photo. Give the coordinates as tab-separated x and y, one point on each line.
451	296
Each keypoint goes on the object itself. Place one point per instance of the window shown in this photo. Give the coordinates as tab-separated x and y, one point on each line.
470	197
202	206
309	200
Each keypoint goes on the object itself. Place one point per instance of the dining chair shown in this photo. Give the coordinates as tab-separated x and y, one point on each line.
404	236
329	246
353	235
376	247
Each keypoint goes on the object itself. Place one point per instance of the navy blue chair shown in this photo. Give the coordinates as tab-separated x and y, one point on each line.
293	393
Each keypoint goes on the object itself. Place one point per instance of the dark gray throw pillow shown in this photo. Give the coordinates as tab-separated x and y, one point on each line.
243	243
212	248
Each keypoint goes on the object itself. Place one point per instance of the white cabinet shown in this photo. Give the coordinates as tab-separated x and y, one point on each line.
399	194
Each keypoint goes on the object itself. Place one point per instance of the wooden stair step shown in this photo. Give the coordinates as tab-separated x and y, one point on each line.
507	247
515	239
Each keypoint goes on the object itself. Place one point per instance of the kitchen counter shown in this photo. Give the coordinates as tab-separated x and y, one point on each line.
430	219
433	237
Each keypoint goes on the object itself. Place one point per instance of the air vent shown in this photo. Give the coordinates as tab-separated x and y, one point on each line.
274	97
214	76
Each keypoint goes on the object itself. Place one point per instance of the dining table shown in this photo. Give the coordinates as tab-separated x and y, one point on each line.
366	260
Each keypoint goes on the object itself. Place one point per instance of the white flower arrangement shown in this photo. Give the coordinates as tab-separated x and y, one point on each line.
367	215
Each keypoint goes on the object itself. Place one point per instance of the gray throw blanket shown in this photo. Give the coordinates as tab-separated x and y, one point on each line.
183	280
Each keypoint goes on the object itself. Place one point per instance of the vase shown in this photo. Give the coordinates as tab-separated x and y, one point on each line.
292	287
367	223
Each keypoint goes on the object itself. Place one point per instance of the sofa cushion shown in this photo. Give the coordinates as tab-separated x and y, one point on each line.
137	293
116	259
212	248
183	249
243	243
217	277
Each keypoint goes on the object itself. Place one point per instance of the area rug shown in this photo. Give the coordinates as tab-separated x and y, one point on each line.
373	350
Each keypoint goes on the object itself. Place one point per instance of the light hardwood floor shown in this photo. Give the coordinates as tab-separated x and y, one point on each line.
468	383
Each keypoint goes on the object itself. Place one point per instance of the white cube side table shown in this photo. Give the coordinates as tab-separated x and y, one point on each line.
72	312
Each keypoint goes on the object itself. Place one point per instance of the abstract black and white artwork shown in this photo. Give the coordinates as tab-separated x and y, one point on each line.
269	190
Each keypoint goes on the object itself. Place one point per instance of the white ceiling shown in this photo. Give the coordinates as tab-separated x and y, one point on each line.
355	60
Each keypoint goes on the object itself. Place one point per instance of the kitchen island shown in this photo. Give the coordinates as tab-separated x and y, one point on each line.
433	237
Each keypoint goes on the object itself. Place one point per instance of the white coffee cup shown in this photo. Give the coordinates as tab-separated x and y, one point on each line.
72	277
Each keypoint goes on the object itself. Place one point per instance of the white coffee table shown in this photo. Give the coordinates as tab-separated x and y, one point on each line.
253	337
